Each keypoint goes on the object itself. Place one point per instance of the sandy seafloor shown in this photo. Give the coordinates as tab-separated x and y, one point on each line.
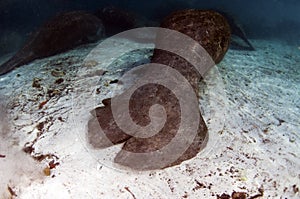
250	102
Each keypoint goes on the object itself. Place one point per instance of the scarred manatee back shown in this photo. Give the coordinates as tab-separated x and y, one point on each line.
207	27
61	33
66	31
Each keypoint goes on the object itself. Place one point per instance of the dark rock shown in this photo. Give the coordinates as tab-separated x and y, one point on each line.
59	34
239	195
59	81
223	196
57	73
36	83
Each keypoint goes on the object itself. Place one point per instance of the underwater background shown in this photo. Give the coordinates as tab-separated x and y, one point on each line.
269	19
250	102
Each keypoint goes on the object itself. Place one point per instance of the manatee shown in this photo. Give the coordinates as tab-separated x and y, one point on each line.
212	31
61	33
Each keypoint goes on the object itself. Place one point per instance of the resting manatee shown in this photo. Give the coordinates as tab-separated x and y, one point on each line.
63	32
212	32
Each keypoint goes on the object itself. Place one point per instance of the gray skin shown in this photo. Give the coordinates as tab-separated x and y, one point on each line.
63	32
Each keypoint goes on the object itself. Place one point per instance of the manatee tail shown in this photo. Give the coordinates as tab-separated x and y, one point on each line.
17	60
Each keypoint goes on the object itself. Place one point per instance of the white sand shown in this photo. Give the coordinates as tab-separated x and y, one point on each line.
252	114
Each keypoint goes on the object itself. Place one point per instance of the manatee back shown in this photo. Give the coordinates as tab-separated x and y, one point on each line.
61	33
65	31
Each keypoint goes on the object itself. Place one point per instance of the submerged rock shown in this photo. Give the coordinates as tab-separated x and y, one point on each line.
61	33
212	32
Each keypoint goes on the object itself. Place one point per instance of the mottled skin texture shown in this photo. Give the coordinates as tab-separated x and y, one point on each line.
209	28
61	33
212	31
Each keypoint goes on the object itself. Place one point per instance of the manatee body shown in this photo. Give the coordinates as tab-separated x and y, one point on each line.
63	32
212	32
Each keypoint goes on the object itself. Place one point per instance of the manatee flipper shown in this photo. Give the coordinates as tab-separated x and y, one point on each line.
237	30
247	42
17	60
103	118
63	32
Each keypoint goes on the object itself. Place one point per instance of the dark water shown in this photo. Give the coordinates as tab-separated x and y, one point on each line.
268	19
